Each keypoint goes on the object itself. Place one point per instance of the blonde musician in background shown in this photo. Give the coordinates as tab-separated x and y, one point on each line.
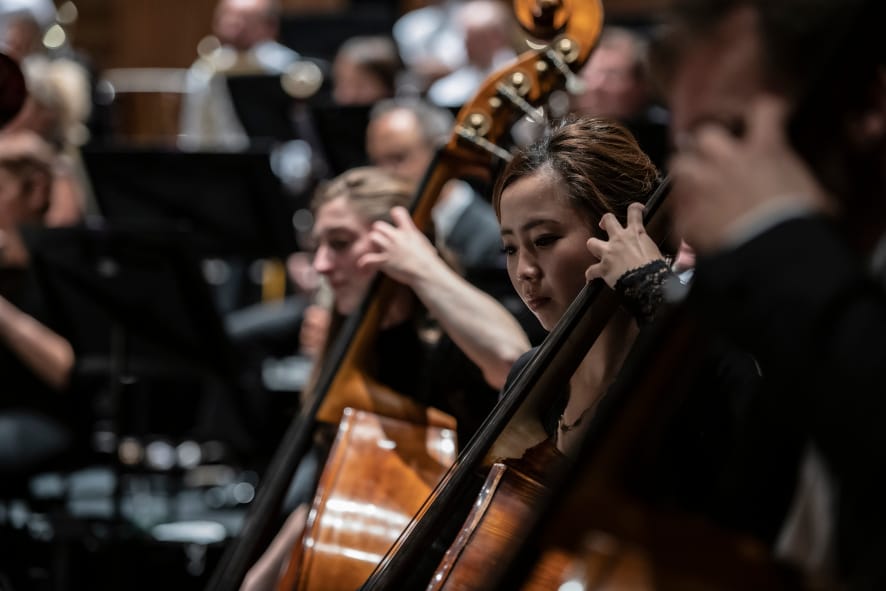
361	228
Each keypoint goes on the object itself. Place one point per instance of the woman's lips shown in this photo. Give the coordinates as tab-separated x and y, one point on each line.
535	303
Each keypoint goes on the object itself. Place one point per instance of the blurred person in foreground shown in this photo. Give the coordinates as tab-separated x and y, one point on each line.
779	121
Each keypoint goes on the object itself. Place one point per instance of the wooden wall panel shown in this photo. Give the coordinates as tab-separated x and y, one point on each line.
157	33
141	33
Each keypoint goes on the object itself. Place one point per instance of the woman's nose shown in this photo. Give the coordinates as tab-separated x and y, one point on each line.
322	260
527	269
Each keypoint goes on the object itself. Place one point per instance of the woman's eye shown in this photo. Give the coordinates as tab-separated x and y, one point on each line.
508	249
546	239
339	245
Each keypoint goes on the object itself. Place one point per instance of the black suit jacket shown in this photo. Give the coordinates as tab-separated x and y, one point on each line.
806	307
475	239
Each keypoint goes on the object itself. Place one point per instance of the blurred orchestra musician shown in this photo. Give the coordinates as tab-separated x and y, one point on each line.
58	109
36	362
488	28
431	41
245	31
366	69
617	83
402	137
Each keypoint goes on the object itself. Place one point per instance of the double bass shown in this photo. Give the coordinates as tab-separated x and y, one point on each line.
464	533
584	516
345	386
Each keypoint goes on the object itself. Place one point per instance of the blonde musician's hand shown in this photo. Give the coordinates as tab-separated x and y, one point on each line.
725	185
401	250
314	330
628	247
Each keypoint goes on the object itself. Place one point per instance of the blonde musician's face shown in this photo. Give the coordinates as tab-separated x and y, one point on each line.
341	238
545	244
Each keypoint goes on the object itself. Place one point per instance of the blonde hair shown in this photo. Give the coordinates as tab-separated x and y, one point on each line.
61	87
369	190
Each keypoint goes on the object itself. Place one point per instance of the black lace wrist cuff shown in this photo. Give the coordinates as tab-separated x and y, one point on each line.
641	290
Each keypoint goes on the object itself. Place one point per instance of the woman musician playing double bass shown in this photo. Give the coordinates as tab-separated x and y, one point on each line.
568	212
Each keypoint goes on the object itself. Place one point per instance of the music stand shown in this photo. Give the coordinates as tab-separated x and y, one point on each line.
267	112
134	305
230	203
262	106
652	136
342	130
319	35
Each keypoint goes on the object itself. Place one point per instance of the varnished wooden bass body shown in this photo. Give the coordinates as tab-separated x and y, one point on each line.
378	473
507	500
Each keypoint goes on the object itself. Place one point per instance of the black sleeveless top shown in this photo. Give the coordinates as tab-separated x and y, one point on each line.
434	372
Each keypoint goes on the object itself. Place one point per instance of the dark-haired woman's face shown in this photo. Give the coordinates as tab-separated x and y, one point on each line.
545	240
